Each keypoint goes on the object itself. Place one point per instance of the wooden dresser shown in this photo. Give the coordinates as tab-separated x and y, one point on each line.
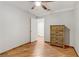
59	35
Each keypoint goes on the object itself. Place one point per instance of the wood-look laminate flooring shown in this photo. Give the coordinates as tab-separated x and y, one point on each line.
39	49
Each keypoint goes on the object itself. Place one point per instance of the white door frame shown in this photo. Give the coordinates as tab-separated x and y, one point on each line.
33	29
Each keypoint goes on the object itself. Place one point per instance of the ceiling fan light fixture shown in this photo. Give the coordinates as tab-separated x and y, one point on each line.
37	3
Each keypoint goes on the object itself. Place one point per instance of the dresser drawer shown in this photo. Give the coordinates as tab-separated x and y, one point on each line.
57	44
55	39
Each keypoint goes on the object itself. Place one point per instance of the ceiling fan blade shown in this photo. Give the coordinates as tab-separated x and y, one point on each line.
45	7
33	7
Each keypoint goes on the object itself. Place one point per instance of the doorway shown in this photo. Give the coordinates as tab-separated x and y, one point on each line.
40	29
37	29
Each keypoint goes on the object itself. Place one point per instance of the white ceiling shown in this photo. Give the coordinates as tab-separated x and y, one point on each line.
39	11
24	5
54	6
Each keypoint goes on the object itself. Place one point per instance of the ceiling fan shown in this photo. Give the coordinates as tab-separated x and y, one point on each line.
42	4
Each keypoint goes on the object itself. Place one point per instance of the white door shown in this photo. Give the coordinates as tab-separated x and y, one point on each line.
40	26
33	29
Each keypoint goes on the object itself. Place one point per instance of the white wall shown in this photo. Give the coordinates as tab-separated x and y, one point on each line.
61	18
14	27
76	40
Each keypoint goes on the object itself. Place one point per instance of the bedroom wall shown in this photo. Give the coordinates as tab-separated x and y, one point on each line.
14	27
60	18
76	40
